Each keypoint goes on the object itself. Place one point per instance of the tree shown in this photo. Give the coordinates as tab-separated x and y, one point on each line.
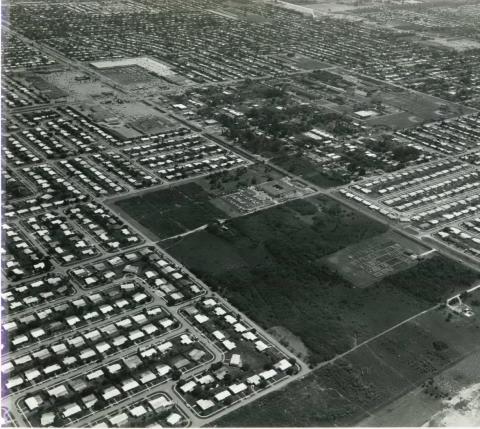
215	366
440	345
213	228
176	374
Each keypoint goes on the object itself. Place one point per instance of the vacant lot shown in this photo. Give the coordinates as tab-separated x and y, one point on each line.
365	263
127	75
397	367
171	211
451	398
271	266
314	405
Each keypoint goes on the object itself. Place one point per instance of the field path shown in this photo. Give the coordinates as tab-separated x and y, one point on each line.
375	337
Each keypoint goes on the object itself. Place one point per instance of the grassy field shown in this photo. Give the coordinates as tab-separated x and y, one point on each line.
384	383
271	266
459	388
314	405
171	211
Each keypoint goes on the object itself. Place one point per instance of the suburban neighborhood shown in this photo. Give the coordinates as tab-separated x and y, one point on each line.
240	213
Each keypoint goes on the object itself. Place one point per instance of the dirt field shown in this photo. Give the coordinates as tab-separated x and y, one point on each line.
459	45
418	107
291	341
78	89
128	75
307	63
131	119
365	263
461	408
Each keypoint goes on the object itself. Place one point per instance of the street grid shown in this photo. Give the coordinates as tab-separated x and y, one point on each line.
62	162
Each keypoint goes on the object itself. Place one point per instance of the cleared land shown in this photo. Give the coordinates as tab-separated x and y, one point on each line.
179	209
271	266
129	74
365	263
427	404
169	212
149	64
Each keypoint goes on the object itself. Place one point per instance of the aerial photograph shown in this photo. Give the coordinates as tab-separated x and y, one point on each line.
240	213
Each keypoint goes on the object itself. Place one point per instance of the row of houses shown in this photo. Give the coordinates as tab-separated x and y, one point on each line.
18	154
173	133
217	396
25	331
20	258
17	94
437	191
91	177
157	410
108	384
219	316
450	211
46	143
35	292
367	203
452	136
171	282
20	56
249	360
125	170
107	229
182	157
159	143
392	183
53	192
62	241
85	347
465	241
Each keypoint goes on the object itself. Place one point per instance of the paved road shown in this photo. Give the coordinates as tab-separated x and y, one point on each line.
432	243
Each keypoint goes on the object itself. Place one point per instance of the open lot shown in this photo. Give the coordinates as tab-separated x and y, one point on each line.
177	210
129	74
319	407
366	262
460	383
79	86
171	211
